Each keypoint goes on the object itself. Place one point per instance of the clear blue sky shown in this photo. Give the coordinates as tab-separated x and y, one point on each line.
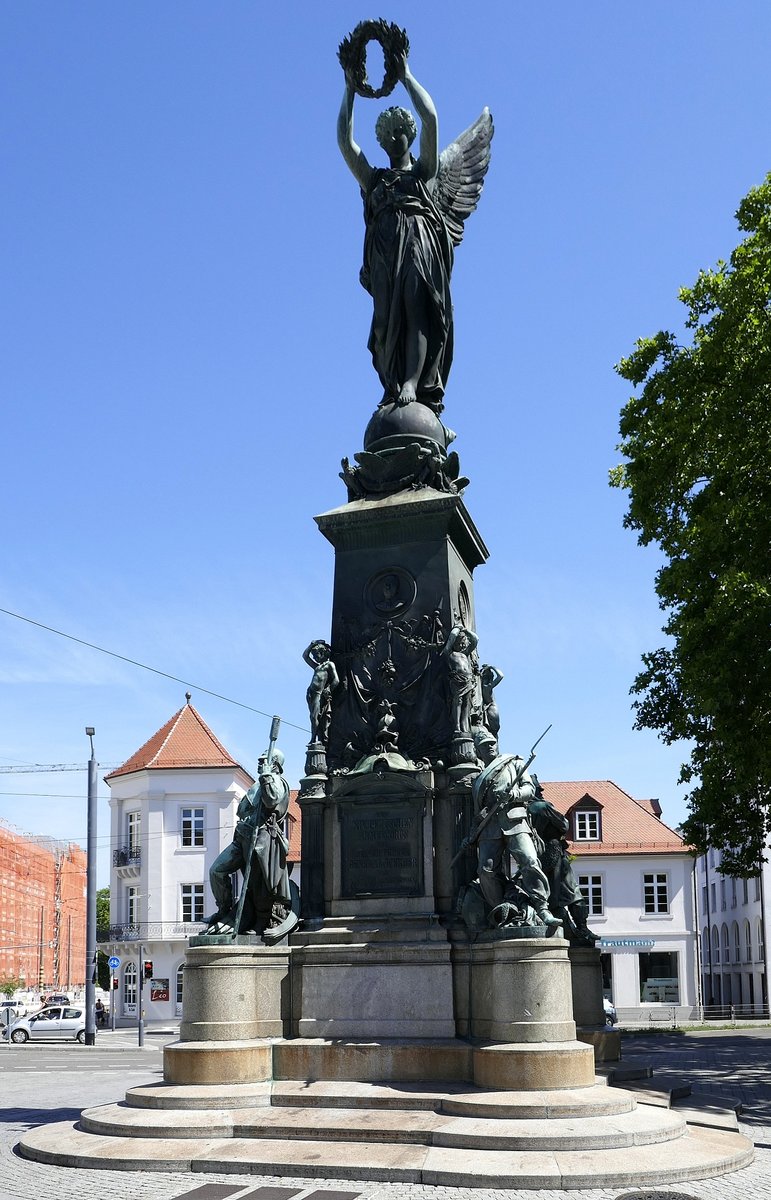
184	352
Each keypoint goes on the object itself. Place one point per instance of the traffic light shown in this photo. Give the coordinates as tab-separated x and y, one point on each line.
114	982
148	972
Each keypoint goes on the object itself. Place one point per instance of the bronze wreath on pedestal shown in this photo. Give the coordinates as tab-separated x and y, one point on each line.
352	55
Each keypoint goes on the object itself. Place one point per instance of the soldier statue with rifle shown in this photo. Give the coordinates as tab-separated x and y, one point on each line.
502	831
259	849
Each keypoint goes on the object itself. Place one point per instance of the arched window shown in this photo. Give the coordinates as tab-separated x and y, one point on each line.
715	946
705	948
725	945
747	942
760	952
736	943
130	986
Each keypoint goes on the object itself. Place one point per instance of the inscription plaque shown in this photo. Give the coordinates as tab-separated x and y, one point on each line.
381	848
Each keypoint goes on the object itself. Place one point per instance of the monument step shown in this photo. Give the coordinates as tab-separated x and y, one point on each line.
197	1096
699	1154
620	1073
634	1128
459	1099
661	1092
715	1112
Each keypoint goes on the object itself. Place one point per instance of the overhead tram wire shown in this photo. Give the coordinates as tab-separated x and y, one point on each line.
51	768
134	663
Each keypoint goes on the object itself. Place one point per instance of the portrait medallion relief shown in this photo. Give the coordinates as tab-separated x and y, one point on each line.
390	592
464	605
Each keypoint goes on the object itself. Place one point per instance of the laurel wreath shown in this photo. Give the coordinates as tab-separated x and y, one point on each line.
352	55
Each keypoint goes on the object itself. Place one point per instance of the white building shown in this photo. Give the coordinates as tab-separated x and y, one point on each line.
173	809
732	929
638	877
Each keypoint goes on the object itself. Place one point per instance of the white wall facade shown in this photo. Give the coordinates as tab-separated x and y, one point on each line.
167	828
633	940
732	916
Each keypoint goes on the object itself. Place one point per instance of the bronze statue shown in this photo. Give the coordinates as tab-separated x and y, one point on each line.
489	678
325	679
566	900
501	793
458	650
259	849
414	210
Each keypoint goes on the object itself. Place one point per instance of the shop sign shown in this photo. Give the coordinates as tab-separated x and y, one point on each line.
159	989
626	943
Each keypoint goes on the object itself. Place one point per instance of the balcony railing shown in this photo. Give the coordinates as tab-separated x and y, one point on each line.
150	931
127	856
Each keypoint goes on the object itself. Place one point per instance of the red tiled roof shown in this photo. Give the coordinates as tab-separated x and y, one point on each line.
628	826
184	741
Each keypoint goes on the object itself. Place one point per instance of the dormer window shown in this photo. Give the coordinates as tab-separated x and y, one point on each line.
586	823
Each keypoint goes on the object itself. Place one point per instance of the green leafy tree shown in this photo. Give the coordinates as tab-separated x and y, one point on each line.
102	929
10	985
697	439
103	911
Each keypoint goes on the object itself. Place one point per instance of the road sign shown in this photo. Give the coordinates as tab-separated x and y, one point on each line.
113	963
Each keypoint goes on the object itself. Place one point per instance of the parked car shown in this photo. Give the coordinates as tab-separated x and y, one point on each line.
611	1016
56	1021
56	998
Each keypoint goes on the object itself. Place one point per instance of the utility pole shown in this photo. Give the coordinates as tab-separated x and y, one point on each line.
140	1009
91	896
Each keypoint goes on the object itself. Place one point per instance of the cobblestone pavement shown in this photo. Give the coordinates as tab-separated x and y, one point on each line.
52	1083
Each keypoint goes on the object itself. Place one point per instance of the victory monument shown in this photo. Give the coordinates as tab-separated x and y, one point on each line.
413	1016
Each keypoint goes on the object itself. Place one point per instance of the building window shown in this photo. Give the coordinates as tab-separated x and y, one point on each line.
132	905
704	900
587	826
133	829
761	947
130	985
736	943
757	887
712	858
591	890
192	902
180	974
702	864
747	942
745	891
659	980
712	894
656	898
715	946
724	945
733	893
722	895
192	827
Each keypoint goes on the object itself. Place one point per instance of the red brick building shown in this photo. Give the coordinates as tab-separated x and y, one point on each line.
42	911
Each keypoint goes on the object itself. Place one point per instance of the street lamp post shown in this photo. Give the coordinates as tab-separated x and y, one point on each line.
91	897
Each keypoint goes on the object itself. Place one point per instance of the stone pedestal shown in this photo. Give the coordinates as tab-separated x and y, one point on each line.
388	977
235	992
513	989
403	578
586	981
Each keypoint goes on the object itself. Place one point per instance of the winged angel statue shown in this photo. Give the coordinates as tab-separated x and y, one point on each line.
414	210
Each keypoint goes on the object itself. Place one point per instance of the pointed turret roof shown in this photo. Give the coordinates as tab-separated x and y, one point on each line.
184	741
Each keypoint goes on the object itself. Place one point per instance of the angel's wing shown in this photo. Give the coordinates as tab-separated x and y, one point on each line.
462	169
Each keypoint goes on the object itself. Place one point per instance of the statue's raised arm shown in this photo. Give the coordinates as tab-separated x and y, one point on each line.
414	211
